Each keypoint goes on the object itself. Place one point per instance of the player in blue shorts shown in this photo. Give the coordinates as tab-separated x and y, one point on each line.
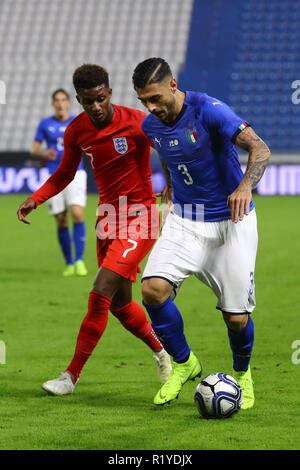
211	229
73	197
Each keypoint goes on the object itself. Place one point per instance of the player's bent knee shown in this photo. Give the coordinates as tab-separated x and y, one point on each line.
235	322
156	290
62	219
77	214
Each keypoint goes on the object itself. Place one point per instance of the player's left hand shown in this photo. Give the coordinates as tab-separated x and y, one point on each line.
167	208
239	203
25	209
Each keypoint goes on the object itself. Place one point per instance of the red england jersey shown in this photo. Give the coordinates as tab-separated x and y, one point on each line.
119	155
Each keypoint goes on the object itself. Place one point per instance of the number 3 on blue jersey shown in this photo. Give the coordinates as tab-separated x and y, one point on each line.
184	171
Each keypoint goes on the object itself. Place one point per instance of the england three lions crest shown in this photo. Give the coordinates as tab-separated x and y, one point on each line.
120	144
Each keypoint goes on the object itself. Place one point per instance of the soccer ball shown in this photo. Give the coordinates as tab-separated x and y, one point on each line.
218	396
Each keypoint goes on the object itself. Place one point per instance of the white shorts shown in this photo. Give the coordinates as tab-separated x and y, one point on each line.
73	194
220	254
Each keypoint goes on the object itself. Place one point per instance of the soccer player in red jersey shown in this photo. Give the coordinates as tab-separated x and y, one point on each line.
119	153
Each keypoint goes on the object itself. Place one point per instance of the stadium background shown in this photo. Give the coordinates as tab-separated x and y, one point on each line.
248	57
244	53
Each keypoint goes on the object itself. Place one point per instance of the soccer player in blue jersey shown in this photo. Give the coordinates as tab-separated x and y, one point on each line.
73	197
211	229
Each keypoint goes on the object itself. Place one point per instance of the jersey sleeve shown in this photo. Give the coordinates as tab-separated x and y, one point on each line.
143	128
140	115
40	132
220	117
148	140
64	174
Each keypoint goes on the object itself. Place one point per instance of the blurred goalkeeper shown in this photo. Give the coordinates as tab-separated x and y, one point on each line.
119	153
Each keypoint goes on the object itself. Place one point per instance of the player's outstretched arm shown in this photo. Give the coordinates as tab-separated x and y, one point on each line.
259	155
25	208
37	152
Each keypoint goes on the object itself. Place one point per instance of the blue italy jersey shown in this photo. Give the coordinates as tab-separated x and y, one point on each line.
198	149
52	131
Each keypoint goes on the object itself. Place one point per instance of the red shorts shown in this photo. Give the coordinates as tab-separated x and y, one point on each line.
123	250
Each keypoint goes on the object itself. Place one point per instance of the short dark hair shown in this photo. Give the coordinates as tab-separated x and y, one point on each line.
90	76
60	90
153	70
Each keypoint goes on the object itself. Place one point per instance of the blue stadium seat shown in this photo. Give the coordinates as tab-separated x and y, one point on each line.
255	76
265	63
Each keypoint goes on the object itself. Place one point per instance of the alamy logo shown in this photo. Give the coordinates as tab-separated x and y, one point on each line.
296	353
295	97
2	92
2	353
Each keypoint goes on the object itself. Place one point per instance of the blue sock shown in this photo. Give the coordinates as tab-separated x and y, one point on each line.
65	244
241	343
79	240
167	323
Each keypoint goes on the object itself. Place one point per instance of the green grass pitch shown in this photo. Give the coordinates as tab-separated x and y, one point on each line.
111	407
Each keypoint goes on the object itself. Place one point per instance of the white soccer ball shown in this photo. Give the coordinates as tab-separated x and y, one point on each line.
218	396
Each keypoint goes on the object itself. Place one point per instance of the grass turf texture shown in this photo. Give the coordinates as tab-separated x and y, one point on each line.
111	407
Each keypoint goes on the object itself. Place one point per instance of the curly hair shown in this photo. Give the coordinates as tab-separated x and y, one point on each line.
153	70
90	76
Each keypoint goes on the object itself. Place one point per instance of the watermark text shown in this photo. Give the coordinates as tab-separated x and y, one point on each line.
295	97
124	221
2	92
2	352
296	354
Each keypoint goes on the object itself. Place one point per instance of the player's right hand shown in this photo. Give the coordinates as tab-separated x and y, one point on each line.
166	194
50	154
25	209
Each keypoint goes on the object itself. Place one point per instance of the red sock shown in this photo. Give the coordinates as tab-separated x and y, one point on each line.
134	319
90	332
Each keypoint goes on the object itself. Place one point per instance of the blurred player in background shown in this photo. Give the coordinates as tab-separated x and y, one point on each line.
211	231
112	138
73	197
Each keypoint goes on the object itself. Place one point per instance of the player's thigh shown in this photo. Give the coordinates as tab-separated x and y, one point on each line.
107	282
57	204
175	256
75	192
230	268
123	255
